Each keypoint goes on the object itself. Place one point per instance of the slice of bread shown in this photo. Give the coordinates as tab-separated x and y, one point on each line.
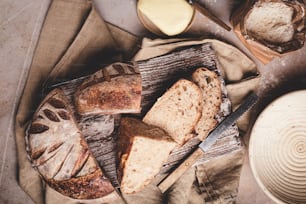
142	151
210	85
112	90
178	110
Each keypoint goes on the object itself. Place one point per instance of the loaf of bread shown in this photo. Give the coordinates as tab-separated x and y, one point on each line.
271	22
210	85
59	152
142	151
178	110
113	90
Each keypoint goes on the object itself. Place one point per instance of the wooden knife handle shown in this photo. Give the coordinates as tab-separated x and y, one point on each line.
209	15
180	170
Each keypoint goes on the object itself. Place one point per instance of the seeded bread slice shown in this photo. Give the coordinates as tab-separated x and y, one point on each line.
177	111
142	151
210	85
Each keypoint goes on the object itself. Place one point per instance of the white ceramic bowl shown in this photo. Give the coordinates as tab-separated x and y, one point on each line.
277	149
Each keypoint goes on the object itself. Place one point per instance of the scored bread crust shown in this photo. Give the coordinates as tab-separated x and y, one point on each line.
112	90
142	150
210	85
58	151
178	110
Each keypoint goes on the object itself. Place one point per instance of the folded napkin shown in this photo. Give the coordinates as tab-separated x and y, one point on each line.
75	41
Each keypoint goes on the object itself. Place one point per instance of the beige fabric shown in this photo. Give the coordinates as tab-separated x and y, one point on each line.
218	179
181	191
128	44
150	195
234	64
52	45
72	39
87	46
72	33
53	197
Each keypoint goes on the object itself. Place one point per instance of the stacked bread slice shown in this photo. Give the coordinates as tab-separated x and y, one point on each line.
210	85
186	110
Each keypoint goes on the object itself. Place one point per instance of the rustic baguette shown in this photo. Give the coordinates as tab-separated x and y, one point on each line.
113	90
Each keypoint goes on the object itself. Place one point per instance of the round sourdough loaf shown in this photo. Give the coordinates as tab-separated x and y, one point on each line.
58	151
273	27
271	22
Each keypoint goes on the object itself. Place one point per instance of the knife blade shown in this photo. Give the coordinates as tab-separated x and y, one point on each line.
208	14
207	143
228	121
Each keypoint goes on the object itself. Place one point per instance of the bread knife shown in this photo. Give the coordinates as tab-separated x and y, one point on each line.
208	14
207	143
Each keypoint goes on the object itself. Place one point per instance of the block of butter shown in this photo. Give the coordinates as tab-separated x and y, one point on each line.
171	17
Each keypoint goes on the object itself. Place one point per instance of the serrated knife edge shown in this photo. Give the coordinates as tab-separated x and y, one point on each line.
228	121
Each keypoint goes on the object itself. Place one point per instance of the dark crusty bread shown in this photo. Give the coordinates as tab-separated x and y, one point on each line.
210	84
113	90
59	152
177	111
142	151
